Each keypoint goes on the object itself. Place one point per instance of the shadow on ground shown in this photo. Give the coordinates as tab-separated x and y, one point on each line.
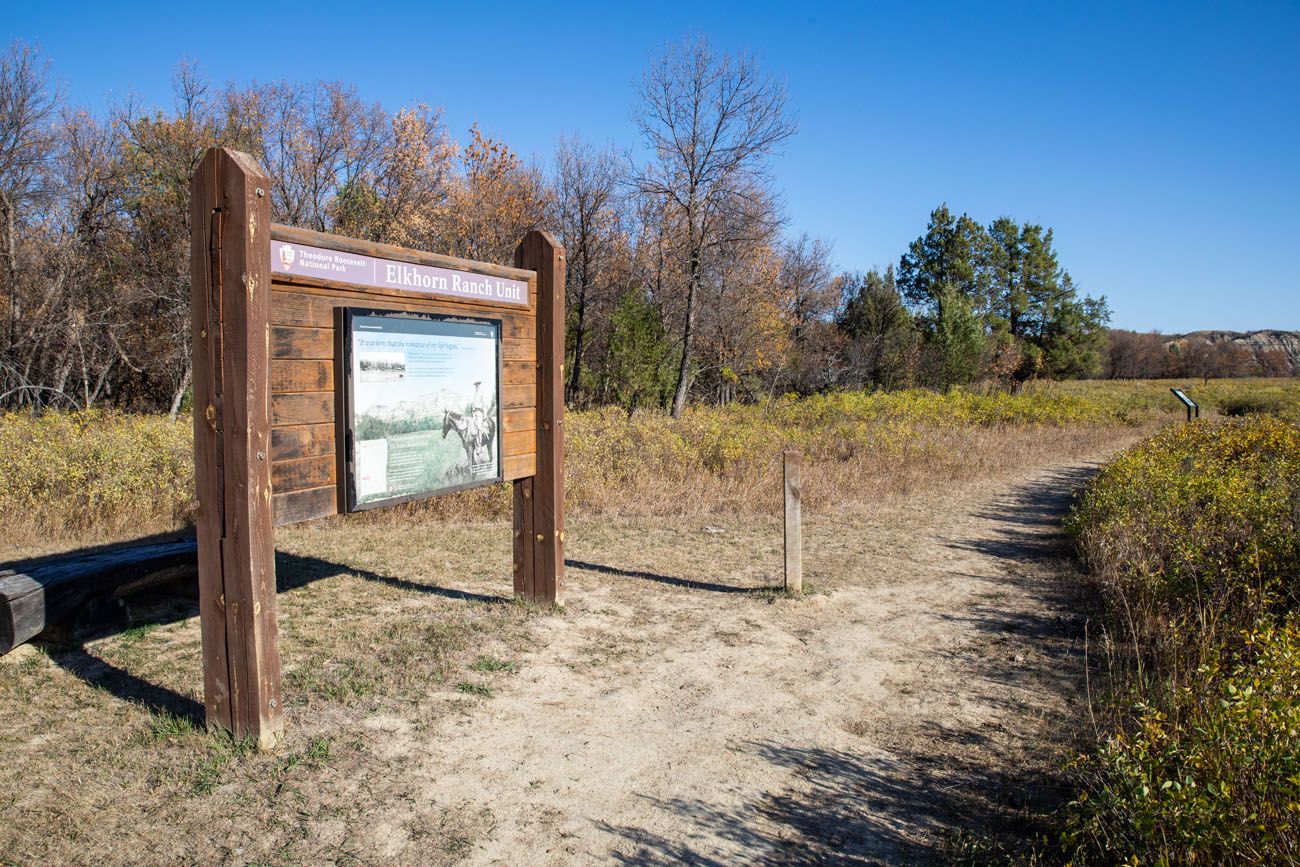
1037	560
898	800
1035	508
895	808
177	600
906	797
685	583
125	686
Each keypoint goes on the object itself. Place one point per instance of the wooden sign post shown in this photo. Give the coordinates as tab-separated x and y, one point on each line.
539	501
272	430
230	221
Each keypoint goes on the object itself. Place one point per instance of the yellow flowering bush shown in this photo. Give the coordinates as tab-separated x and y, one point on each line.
68	472
1233	397
1197	527
1195	538
113	472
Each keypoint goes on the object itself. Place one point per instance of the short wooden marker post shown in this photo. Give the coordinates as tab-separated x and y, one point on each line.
793	533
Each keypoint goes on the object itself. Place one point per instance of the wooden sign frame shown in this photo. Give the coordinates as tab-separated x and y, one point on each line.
266	412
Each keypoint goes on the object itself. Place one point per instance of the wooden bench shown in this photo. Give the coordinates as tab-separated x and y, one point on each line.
41	593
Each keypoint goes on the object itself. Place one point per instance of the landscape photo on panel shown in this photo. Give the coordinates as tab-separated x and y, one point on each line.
424	405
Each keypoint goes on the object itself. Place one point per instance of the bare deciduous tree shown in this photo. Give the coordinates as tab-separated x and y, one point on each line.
711	121
809	296
588	216
29	105
314	140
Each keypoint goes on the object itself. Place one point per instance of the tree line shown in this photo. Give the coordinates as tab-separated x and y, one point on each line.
1135	355
685	281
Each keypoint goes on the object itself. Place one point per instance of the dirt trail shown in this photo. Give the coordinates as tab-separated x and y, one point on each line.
676	715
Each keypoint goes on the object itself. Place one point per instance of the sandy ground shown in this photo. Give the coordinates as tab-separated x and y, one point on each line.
930	683
678	709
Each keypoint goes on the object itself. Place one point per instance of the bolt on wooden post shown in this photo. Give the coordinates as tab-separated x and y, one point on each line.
793	533
230	215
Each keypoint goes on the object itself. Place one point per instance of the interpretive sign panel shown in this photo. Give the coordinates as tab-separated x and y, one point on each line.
304	260
1193	409
423	405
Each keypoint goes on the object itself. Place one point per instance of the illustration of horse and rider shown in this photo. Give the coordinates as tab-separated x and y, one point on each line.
476	427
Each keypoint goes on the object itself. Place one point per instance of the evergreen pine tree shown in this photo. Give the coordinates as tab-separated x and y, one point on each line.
957	341
943	263
880	330
1004	263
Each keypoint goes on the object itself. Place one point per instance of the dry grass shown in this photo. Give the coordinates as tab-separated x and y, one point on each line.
398	621
103	745
72	480
385	626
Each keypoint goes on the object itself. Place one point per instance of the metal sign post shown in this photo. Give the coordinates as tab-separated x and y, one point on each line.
1193	408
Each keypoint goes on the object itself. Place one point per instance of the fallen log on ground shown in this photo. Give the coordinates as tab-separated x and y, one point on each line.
38	594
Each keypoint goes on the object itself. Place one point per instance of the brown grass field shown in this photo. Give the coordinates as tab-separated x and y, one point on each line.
678	707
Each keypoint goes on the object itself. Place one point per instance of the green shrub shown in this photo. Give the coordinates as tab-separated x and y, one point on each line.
1194	536
1210	774
1252	404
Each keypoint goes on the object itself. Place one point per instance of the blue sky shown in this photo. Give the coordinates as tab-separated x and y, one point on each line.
1162	141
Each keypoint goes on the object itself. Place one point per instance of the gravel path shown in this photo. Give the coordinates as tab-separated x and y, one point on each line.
678	712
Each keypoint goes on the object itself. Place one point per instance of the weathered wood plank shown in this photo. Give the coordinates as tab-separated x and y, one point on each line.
518	397
301	441
297	375
308	408
524	546
311	307
519	419
248	556
519	373
793	526
232	281
289	341
294	506
515	467
22	611
45	592
205	312
302	473
520	442
518	349
296	310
